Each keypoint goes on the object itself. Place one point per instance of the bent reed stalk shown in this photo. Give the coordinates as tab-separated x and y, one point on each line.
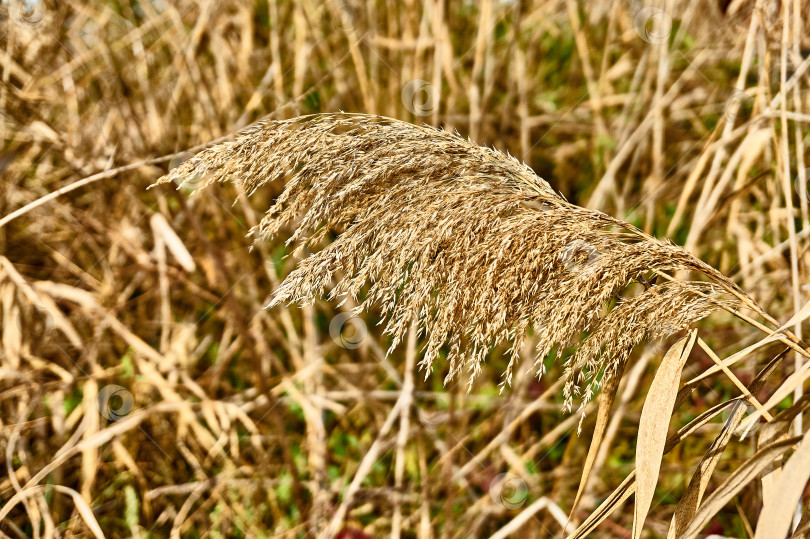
463	240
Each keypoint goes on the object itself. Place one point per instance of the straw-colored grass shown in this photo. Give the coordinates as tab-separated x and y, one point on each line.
147	391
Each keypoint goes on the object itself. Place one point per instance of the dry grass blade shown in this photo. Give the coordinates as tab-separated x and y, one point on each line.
780	426
606	399
691	499
466	241
691	427
84	510
653	425
616	498
797	318
803	528
82	506
743	475
777	510
628	486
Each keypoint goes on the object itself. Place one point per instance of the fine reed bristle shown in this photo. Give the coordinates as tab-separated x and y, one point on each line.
466	241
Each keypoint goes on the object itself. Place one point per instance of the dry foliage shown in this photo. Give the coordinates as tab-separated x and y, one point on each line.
146	391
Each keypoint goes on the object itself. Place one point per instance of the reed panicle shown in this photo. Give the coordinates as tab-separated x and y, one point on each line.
466	242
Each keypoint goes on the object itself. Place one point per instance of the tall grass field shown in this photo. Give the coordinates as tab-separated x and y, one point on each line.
421	269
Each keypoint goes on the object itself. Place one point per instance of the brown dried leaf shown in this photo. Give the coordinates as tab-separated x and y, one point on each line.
777	509
616	498
743	475
653	425
606	399
690	500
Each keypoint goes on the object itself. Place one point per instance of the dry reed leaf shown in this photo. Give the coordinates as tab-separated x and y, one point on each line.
86	512
606	399
654	423
692	497
785	388
702	419
798	376
778	508
616	498
733	377
467	242
803	529
42	302
90	456
160	226
778	429
515	525
797	318
743	475
12	336
780	426
83	508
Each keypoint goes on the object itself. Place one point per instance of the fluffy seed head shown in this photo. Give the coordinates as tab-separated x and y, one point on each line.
465	241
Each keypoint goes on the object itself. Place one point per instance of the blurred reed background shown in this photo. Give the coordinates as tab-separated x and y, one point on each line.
146	392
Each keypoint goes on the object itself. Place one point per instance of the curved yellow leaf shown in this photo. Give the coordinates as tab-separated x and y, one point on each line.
653	425
777	509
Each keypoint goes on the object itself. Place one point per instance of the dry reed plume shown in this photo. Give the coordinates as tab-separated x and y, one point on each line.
461	240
